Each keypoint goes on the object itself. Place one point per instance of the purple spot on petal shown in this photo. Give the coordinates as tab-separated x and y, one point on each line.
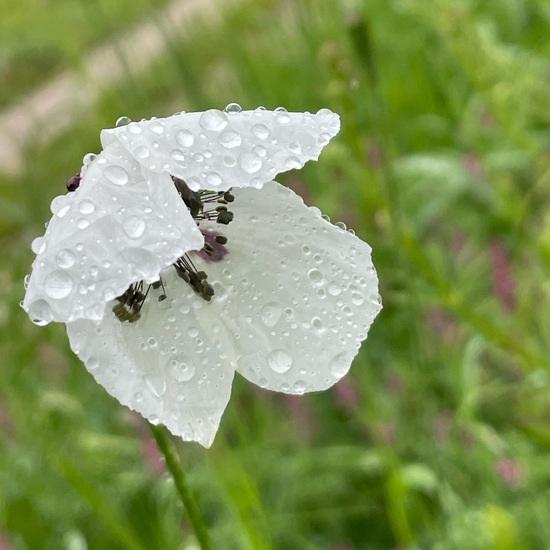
220	250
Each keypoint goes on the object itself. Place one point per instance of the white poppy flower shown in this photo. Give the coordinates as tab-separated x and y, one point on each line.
178	261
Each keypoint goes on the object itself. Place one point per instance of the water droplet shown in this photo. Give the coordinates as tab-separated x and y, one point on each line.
229	139
185	138
65	258
86	206
315	276
334	289
260	150
134	128
281	115
270	314
134	227
339	365
39	245
299	387
192	332
233	108
261	131
156	383
141	152
250	162
292	163
294	146
341	225
40	313
122	121
357	298
317	324
229	160
116	175
92	363
82	223
213	119
178	155
58	285
156	127
213	179
279	361
88	159
180	370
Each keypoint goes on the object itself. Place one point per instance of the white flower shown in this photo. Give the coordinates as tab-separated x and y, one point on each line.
178	261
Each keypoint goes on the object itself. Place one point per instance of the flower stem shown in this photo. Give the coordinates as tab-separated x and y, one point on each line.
188	500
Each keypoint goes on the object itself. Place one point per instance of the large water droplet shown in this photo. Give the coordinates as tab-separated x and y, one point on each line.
185	138
65	258
86	206
213	119
88	159
213	179
122	121
40	313
279	361
58	285
229	139
260	131
292	163
156	127
134	227
141	152
116	175
339	365
39	245
233	108
250	162
270	314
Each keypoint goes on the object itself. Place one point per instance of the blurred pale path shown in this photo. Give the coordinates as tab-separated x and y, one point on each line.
47	111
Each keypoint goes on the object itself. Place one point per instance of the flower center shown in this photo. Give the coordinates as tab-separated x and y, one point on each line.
203	205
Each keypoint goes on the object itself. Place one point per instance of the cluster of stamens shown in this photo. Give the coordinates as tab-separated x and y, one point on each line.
129	304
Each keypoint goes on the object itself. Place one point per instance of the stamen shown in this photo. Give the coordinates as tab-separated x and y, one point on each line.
186	269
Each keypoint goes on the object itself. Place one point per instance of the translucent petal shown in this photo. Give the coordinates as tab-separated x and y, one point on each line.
299	293
120	226
216	150
171	366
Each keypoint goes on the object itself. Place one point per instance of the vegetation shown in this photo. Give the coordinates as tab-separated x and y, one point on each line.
439	436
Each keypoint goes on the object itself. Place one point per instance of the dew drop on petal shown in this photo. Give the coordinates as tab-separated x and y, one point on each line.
40	313
134	128
185	138
213	178
156	127
134	227
250	162
88	159
141	152
233	108
65	258
82	223
178	155
58	285
299	387
270	314
279	361
357	298
315	276
229	139
180	370
122	121
260	131
213	119
339	365
292	163
116	175
39	245
86	206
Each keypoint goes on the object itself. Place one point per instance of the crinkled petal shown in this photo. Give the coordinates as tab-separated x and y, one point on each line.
121	225
299	294
172	366
217	150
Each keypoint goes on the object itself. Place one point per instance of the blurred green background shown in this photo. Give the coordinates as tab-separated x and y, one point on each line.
439	437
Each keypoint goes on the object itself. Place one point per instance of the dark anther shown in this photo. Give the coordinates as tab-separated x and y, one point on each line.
224	217
130	303
228	196
221	239
73	183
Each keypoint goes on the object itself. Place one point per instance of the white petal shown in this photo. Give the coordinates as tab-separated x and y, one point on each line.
217	150
300	293
171	366
118	227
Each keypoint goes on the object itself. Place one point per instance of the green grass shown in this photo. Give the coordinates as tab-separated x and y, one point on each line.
439	436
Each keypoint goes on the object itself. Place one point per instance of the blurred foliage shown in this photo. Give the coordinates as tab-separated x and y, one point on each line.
439	436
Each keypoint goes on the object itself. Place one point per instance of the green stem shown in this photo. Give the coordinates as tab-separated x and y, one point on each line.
187	498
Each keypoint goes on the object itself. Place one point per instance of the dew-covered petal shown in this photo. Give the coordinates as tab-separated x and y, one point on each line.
217	150
171	366
299	293
121	225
